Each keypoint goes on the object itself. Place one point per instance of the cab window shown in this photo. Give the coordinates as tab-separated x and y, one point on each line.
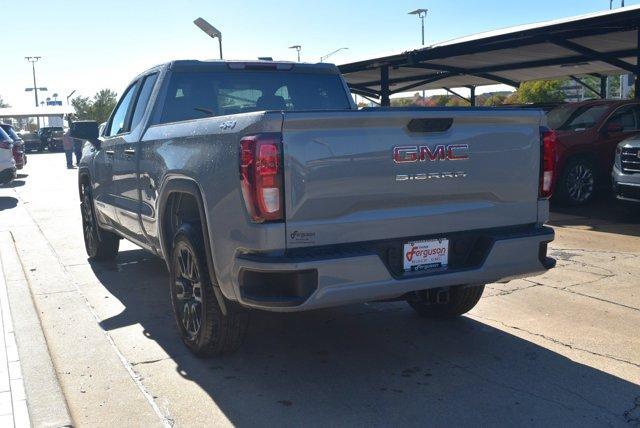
118	120
628	117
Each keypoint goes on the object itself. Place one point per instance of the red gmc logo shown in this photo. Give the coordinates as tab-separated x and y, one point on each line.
407	154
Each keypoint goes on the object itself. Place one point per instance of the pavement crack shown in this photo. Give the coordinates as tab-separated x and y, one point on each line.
632	416
558	342
150	361
507	292
569	290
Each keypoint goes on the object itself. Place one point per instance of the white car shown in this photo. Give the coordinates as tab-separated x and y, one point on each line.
7	163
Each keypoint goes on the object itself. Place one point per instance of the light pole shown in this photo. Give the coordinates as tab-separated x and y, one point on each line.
297	48
35	89
322	58
422	13
210	30
69	96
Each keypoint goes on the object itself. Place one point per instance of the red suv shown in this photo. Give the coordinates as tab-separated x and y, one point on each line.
18	145
587	136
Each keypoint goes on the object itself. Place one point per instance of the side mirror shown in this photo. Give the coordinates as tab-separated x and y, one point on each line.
612	128
84	130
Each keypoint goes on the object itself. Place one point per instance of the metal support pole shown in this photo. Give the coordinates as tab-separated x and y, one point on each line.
603	87
220	45
422	16
637	71
385	101
472	96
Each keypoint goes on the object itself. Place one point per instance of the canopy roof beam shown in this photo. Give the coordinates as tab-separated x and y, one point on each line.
573	60
457	95
589	87
464	71
594	55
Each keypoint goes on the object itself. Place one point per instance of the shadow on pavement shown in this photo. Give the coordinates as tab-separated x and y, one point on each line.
606	214
14	183
7	202
371	364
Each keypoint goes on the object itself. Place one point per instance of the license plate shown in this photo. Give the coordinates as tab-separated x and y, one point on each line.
425	255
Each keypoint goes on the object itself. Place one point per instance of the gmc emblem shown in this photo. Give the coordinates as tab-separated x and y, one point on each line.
407	154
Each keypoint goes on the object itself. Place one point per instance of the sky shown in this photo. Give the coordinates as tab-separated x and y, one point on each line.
89	45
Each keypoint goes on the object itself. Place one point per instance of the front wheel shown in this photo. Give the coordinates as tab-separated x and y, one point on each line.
577	183
101	245
446	303
204	326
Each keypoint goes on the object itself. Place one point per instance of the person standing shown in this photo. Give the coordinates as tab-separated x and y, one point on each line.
77	149
68	146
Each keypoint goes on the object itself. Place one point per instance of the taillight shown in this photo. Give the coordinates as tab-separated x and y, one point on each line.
261	176
6	144
547	162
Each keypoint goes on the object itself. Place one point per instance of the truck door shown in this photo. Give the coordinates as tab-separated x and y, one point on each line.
125	175
105	168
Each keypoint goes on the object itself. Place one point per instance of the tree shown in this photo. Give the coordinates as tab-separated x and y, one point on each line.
540	91
82	106
3	104
103	103
495	100
97	108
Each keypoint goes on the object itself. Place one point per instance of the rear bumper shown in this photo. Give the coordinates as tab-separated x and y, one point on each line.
32	145
333	277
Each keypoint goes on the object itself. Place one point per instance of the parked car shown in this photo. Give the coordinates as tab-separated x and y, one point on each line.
262	186
51	138
587	135
19	154
7	162
626	171
31	141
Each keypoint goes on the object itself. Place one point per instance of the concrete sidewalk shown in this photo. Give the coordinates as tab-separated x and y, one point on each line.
13	403
31	394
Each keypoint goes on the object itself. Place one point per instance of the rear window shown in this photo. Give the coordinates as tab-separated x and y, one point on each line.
196	95
572	118
3	135
9	130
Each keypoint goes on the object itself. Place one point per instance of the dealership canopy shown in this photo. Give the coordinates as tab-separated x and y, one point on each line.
596	44
44	111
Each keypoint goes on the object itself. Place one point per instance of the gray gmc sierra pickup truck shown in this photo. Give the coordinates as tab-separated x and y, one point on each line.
262	186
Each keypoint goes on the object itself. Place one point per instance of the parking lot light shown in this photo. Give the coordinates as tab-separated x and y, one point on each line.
297	48
210	30
422	13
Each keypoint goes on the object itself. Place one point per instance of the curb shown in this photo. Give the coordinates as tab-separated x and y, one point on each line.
45	400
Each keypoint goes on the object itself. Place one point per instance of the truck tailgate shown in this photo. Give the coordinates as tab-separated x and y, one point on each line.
380	174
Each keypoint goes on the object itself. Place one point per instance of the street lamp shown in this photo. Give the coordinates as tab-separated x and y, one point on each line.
69	96
422	13
210	30
33	60
322	58
297	48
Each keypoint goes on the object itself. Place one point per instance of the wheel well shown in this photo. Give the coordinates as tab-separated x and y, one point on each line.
587	156
181	208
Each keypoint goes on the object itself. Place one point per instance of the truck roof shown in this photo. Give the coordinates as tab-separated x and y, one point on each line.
217	64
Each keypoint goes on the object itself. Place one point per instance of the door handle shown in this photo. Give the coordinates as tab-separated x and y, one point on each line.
129	152
109	152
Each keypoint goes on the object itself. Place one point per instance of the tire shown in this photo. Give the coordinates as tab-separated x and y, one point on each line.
577	183
461	300
101	245
203	326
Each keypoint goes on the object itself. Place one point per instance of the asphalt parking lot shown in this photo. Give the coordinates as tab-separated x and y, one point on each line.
558	349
